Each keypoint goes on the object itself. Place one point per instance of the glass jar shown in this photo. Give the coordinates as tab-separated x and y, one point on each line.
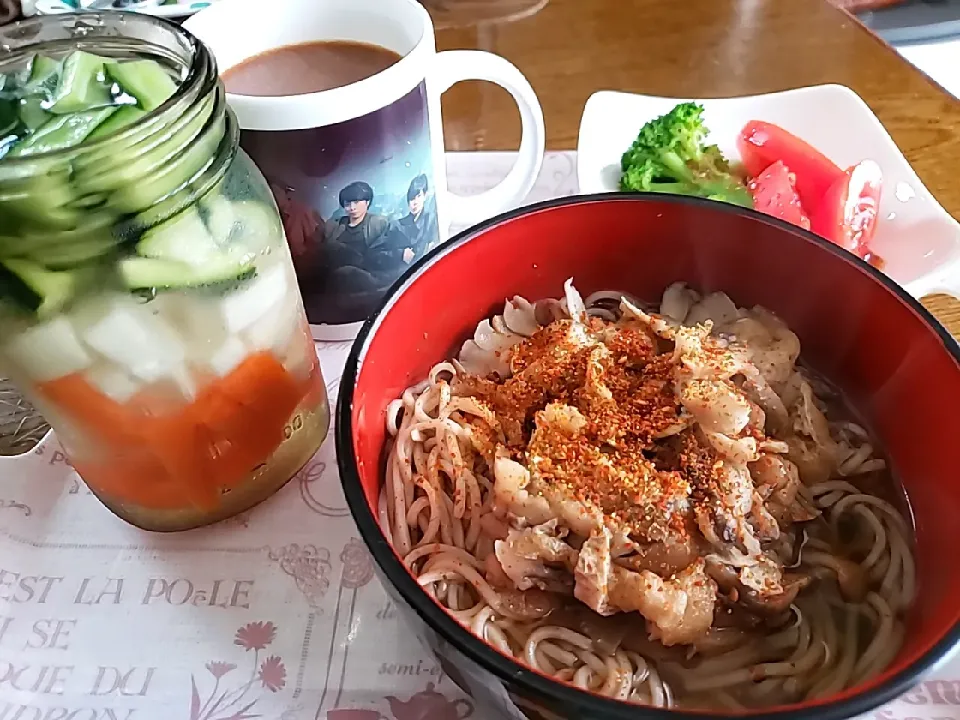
148	303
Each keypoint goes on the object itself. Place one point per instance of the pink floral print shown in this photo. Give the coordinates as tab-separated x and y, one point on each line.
255	635
219	669
273	675
228	700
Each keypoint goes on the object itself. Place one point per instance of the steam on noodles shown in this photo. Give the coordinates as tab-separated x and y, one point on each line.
661	508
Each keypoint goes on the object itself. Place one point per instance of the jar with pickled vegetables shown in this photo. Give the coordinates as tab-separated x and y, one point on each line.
148	304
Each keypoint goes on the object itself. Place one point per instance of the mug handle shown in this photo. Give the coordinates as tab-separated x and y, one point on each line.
453	66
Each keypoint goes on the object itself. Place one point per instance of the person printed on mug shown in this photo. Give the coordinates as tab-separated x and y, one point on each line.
358	227
420	225
358	256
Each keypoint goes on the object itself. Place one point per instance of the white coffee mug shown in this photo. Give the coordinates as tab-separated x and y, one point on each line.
366	147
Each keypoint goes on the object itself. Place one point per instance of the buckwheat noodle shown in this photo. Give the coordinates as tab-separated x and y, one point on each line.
436	509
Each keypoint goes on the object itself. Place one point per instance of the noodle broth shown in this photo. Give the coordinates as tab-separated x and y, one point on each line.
660	508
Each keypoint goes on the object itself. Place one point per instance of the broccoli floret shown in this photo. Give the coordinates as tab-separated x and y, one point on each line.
670	156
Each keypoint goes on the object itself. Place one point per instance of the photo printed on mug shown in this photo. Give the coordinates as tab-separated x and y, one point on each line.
358	203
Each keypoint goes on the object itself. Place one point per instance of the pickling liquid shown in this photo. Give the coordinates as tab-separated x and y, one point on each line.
116	481
304	434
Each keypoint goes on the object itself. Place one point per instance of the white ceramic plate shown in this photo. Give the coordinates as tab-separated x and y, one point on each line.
157	8
916	237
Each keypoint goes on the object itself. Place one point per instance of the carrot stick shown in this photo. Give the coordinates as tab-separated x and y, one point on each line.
95	412
263	385
245	413
182	444
124	430
138	479
237	441
159	455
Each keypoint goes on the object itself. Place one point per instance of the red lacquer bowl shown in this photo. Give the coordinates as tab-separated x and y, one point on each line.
898	365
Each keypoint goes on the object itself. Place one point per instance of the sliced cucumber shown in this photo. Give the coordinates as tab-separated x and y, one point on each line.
43	76
41	202
34	244
34	288
80	86
242	226
192	154
185	240
9	118
145	273
124	116
10	246
62	131
165	209
87	202
153	166
68	255
32	114
145	80
9	87
63	250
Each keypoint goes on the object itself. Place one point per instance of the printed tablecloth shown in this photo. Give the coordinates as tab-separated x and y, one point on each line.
275	614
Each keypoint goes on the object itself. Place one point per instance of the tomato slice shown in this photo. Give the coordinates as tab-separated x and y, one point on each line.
847	215
775	193
761	144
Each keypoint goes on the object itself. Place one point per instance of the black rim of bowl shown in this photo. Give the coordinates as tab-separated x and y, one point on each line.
516	673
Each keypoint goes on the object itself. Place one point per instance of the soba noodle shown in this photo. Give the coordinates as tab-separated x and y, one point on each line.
839	530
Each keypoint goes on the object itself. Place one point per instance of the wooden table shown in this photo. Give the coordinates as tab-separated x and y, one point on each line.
569	49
